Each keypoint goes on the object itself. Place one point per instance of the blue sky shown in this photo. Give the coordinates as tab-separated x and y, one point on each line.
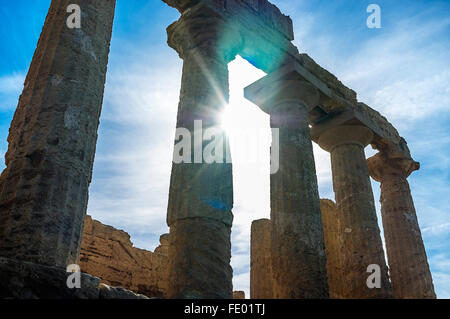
401	70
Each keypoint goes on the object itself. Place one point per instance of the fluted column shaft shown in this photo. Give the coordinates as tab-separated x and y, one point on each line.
408	265
53	135
261	283
359	233
298	252
330	221
201	193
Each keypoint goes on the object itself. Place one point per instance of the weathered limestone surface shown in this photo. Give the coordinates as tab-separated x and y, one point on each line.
358	227
52	139
201	194
199	260
408	266
109	254
268	13
26	280
238	295
333	246
328	78
261	275
201	189
298	251
266	32
108	292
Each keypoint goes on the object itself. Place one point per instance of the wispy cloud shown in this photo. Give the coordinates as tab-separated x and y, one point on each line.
401	73
10	88
436	229
11	83
133	162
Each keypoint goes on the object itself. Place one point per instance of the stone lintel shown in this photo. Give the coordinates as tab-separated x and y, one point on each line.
386	138
265	11
266	33
262	10
332	120
264	91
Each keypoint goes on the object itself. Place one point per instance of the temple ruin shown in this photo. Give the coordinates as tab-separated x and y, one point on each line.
308	249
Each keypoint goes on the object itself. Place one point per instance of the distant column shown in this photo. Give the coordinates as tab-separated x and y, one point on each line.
53	135
238	294
358	226
261	283
408	266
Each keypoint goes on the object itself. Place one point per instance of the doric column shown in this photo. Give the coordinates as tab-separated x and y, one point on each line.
298	252
359	231
330	222
261	284
53	135
408	266
201	193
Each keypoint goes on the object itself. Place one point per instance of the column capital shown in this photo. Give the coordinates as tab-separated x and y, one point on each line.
382	167
201	30
345	134
282	96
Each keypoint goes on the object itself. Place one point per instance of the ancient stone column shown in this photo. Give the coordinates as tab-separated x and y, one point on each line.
330	222
201	193
358	227
53	135
261	283
298	252
408	266
238	294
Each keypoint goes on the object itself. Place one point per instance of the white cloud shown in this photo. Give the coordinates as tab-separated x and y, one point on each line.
402	73
440	263
441	282
436	229
133	161
10	88
11	83
241	282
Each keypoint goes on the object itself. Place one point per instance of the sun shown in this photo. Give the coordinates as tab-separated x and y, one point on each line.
226	117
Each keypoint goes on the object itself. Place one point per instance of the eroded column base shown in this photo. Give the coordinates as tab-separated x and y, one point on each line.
26	280
199	260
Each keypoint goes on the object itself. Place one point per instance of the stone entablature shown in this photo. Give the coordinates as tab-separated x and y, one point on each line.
266	12
268	46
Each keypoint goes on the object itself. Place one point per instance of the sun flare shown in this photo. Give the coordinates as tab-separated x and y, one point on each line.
241	113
